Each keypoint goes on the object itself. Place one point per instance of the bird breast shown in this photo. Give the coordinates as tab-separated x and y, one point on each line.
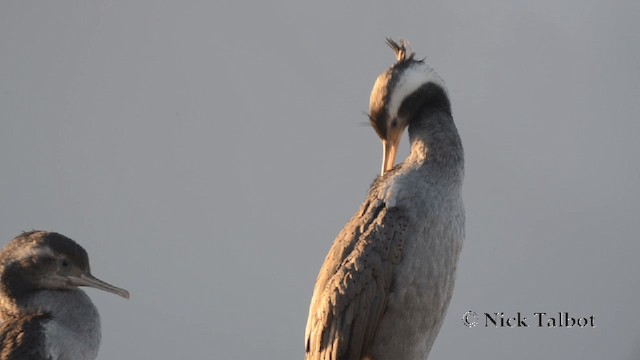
73	332
423	281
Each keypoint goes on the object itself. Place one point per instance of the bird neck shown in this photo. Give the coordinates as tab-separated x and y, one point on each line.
435	141
71	307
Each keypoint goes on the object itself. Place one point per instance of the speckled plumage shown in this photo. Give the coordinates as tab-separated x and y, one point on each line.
383	290
18	336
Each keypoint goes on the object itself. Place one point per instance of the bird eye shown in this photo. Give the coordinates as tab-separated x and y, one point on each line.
394	123
64	263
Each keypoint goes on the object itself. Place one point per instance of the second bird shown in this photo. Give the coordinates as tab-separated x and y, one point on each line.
383	290
44	315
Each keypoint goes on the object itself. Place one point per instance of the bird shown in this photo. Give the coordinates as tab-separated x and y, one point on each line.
385	285
45	316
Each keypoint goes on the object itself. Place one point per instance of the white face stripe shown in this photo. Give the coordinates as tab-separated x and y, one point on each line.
410	80
31	252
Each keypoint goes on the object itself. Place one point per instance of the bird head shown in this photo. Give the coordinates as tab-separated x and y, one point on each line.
398	95
40	260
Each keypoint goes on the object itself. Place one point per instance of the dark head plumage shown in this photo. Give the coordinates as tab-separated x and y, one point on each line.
42	260
56	242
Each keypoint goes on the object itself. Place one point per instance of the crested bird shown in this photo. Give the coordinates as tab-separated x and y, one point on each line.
45	316
383	290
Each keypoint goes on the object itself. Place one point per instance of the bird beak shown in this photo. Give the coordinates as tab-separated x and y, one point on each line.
91	281
389	148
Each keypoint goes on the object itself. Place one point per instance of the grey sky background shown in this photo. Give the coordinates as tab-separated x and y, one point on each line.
207	153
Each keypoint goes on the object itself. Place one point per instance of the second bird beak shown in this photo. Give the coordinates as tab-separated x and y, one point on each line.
91	281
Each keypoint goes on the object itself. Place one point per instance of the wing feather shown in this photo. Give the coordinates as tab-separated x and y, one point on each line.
353	285
23	338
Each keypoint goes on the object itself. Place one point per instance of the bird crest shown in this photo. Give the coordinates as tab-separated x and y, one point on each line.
400	49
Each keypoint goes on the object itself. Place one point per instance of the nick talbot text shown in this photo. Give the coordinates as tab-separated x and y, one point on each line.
538	319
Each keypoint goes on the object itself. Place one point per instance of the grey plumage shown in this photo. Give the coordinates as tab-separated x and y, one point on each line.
44	315
385	285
